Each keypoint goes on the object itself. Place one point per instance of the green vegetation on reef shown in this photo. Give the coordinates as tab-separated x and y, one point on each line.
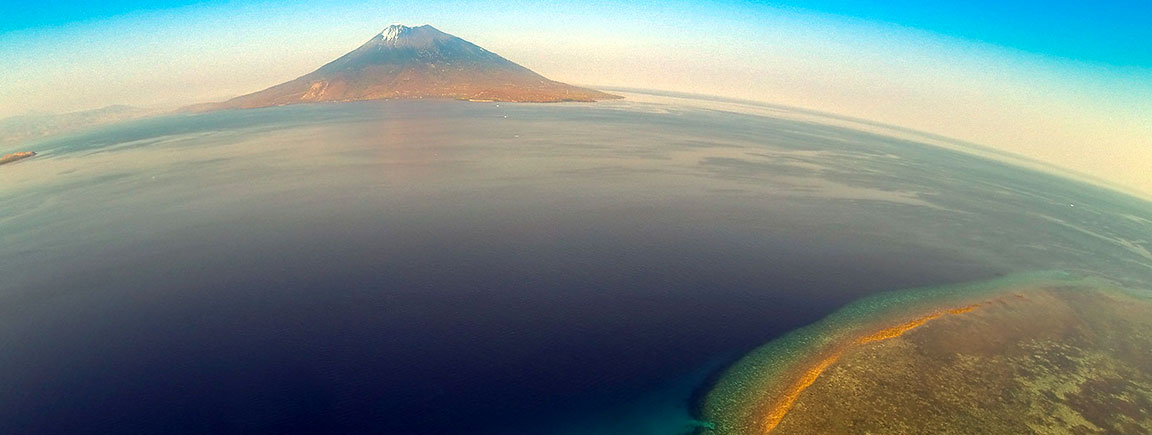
922	360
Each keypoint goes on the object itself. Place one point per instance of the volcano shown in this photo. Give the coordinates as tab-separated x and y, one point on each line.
416	62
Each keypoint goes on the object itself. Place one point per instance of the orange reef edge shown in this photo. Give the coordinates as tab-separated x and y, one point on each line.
782	406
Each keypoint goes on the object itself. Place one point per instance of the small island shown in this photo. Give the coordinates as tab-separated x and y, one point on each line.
9	158
1033	353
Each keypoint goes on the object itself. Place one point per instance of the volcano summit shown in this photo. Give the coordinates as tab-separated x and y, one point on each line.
416	62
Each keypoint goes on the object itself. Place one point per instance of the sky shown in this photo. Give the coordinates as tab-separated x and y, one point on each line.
1067	83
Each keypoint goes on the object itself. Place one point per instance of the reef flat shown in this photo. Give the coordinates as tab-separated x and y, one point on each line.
1036	353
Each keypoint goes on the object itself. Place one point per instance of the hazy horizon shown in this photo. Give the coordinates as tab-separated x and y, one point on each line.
1079	100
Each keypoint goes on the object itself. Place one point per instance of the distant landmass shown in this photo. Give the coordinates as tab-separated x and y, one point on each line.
25	128
415	62
9	158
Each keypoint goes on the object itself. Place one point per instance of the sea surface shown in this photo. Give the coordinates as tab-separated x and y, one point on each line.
439	267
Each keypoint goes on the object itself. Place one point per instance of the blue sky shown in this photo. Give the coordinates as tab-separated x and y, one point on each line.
1115	32
1069	83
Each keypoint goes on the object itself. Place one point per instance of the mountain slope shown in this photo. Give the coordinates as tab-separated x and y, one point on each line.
417	62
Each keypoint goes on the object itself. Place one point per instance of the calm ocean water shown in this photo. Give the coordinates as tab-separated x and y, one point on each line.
448	267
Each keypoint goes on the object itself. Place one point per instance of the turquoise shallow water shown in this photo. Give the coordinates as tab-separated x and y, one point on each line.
446	267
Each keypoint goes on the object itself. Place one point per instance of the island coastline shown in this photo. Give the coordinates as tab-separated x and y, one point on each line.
756	393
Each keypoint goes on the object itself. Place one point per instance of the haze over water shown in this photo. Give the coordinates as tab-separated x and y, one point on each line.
449	267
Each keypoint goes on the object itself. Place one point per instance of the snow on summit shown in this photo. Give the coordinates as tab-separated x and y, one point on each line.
394	31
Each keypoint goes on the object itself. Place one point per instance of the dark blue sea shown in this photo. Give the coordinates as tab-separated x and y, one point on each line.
442	267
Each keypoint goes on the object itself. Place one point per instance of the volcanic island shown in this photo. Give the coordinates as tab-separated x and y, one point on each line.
419	62
1036	353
